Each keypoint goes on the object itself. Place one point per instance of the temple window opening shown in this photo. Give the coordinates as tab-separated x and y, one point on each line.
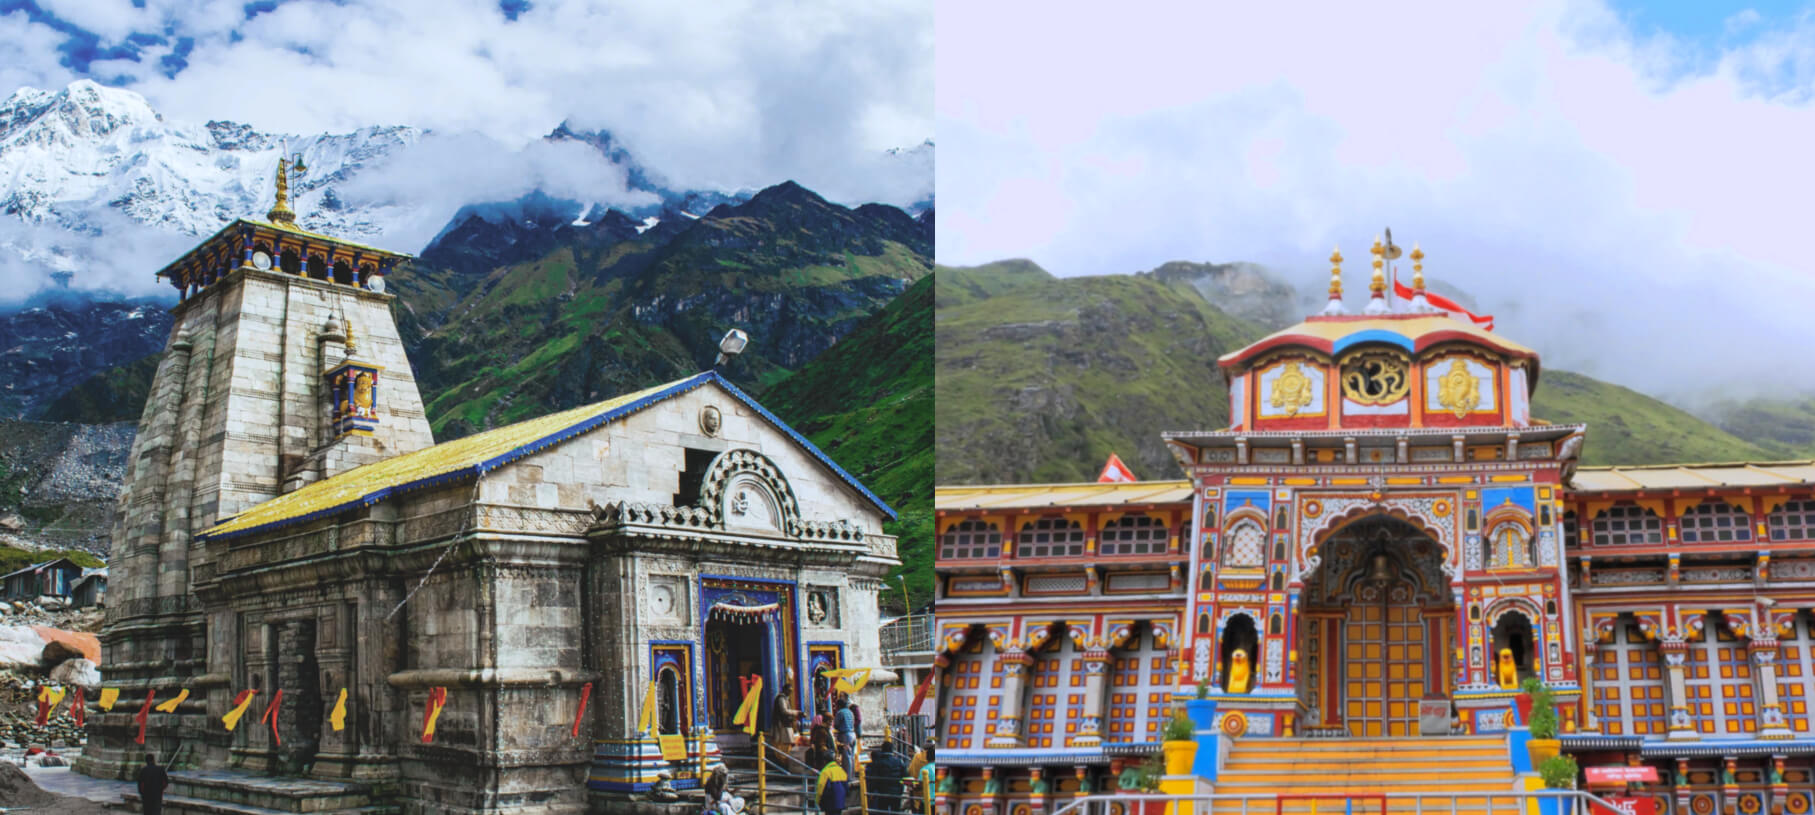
1133	535
973	697
1624	524
1794	521
972	539
1140	688
1051	537
1796	672
1056	691
1718	682
1246	546
1715	522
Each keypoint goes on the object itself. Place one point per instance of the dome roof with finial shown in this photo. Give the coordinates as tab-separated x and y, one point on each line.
1400	363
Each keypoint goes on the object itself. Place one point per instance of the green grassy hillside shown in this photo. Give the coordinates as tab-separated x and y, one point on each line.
1784	426
1044	380
868	402
1040	378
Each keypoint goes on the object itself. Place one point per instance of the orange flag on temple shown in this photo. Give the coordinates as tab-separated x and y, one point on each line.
749	712
277	701
240	703
1115	470
145	713
585	694
432	711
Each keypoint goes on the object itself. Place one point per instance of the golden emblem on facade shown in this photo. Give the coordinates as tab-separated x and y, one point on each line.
1458	390
362	395
1292	390
1375	378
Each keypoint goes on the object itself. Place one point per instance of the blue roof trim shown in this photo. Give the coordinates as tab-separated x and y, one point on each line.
802	441
558	437
1372	335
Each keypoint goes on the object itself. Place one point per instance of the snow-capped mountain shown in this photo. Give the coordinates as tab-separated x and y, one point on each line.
66	155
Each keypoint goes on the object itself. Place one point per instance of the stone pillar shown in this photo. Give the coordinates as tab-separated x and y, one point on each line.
1096	672
1591	723
1682	726
1015	663
1771	723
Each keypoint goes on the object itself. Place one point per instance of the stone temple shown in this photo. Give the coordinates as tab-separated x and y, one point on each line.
289	524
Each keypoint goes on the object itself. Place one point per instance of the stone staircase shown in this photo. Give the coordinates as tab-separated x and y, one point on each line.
1438	767
785	795
230	792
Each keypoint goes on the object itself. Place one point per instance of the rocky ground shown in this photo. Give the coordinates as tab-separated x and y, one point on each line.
19	792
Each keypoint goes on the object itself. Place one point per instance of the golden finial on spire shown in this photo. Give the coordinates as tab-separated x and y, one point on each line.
280	211
352	344
1417	269
1378	284
1336	273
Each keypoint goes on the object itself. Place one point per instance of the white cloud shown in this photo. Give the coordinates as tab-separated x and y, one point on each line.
1625	218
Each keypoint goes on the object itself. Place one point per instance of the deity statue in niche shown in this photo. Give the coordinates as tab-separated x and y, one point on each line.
362	395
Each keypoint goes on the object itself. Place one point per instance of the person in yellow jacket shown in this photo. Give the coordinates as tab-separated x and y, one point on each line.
829	791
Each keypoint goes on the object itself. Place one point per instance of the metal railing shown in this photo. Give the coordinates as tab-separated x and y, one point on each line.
780	775
1562	802
912	634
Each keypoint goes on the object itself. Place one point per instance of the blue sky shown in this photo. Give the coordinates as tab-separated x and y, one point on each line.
1621	185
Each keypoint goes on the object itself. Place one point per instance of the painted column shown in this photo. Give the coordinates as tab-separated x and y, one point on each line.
1008	717
943	782
992	792
1771	723
1090	729
1682	727
1591	723
1038	787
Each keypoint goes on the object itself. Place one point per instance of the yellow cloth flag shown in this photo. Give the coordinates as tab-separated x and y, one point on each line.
339	717
647	720
54	696
240	703
170	706
108	697
852	680
747	712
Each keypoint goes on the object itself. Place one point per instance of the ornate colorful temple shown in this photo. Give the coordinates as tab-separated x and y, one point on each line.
1350	558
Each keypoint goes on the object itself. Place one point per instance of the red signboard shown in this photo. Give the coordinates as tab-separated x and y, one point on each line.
1625	805
1621	774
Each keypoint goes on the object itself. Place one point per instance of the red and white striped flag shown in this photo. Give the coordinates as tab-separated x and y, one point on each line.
1486	322
1115	470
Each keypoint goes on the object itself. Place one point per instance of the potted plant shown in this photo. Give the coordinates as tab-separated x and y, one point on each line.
1202	710
1523	699
1543	722
1559	773
1180	745
1144	779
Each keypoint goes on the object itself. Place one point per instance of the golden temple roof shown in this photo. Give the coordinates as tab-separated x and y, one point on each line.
1413	332
483	452
1694	476
1044	496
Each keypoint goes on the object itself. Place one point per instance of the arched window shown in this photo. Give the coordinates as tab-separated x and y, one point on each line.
1629	684
1627	524
318	268
971	539
1514	631
1509	547
1054	695
1794	521
1715	522
1718	681
1240	633
970	699
1245	545
1133	535
1050	537
343	272
1796	673
1140	689
290	262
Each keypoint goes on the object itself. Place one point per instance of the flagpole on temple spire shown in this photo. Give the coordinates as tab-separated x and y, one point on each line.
1391	253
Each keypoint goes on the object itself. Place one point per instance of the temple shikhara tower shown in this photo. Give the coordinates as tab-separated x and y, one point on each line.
473	626
1380	546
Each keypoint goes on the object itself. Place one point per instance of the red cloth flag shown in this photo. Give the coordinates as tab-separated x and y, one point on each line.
277	700
585	693
43	705
77	707
1486	322
145	713
920	693
1115	470
432	711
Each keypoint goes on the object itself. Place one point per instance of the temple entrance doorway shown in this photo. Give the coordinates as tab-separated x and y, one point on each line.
736	652
1375	629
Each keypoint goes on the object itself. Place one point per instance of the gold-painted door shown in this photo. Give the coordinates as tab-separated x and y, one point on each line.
1383	669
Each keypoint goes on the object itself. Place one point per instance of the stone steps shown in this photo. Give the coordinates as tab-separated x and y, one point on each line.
184	805
260	794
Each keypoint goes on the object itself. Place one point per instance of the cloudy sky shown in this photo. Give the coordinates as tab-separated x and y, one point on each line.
719	95
1623	186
